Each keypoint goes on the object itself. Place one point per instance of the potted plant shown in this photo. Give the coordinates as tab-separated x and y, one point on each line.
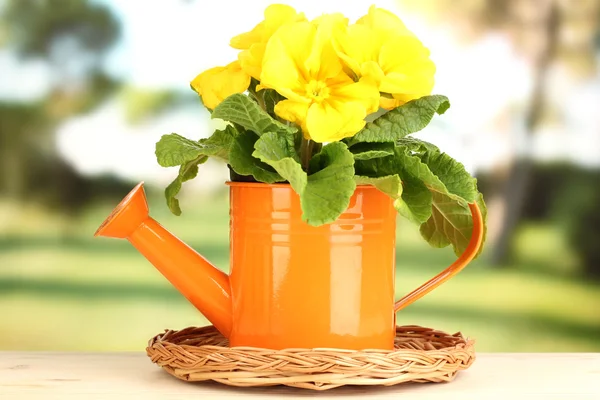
319	116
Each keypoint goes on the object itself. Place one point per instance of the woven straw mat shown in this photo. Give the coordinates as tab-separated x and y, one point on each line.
420	355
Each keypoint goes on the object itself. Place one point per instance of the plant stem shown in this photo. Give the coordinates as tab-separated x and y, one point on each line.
259	98
317	147
261	101
306	148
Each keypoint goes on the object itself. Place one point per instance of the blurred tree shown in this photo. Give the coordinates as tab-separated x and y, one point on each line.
72	38
22	129
538	26
36	25
584	225
568	195
547	33
142	103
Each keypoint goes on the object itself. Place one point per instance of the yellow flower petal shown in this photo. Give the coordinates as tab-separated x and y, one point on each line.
399	51
381	48
364	92
404	98
334	120
322	62
293	111
275	15
383	20
218	83
300	63
390	103
373	71
251	59
282	66
334	20
407	67
355	45
398	83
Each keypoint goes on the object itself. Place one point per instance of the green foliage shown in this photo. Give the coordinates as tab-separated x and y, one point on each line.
390	185
242	161
324	194
448	223
402	121
483	208
219	144
437	190
240	109
415	201
270	98
175	150
187	171
452	174
330	188
367	151
428	187
451	223
279	152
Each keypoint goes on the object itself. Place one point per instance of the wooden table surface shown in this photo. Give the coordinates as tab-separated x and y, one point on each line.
29	375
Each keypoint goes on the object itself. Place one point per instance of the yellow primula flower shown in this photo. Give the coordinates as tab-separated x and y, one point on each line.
380	47
301	64
383	20
253	43
218	83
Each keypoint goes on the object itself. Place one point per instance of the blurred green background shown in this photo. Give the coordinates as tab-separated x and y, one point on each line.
88	87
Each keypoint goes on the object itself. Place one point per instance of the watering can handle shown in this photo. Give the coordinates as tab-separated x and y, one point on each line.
455	268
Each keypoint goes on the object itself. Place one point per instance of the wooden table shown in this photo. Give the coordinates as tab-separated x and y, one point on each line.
130	376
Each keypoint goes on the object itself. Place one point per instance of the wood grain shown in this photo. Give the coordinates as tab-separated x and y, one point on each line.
39	375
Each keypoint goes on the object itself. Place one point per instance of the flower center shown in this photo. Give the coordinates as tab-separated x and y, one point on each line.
317	90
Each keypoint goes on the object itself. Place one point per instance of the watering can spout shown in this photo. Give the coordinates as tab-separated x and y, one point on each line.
204	285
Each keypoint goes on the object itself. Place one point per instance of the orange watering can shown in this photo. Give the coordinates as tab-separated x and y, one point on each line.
291	285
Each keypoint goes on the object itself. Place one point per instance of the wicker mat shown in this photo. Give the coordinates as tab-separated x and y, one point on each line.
420	355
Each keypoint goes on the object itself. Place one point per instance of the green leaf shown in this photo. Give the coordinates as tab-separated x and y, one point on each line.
240	109
436	191
271	98
174	149
451	174
482	207
219	144
280	153
324	194
437	170
187	171
451	223
367	151
243	162
402	121
416	197
416	146
200	98
448	223
390	185
416	201
413	167
329	190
